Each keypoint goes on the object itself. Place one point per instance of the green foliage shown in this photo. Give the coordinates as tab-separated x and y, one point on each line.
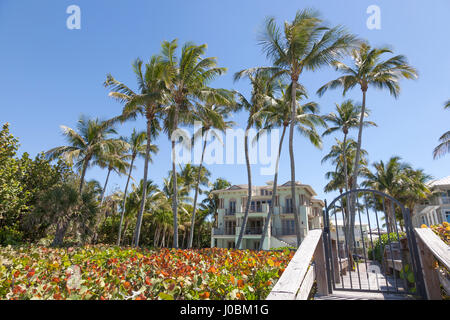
21	182
62	207
376	253
107	272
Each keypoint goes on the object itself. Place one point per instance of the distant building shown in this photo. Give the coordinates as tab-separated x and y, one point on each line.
281	231
361	232
436	209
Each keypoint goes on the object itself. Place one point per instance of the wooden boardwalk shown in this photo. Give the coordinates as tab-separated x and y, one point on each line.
365	280
353	295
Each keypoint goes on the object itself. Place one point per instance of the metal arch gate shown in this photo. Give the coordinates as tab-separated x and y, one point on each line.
356	260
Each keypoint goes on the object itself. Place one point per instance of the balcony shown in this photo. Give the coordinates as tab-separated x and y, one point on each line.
287	210
253	230
224	231
283	231
230	212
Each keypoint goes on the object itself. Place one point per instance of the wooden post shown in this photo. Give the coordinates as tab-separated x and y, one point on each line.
321	273
430	276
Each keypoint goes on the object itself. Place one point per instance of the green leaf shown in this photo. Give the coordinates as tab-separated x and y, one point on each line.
165	296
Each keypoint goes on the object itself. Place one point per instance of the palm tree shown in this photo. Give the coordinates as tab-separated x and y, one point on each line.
211	116
88	143
277	113
211	202
187	80
306	44
148	102
136	148
263	86
388	178
113	159
155	201
444	146
182	194
341	156
346	117
367	71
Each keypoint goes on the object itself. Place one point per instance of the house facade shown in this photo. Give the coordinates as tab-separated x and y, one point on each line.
361	234
436	209
281	231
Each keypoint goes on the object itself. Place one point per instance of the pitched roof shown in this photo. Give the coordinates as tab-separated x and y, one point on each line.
440	182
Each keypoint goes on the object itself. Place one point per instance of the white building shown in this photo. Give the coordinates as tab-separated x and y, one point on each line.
436	209
281	231
361	232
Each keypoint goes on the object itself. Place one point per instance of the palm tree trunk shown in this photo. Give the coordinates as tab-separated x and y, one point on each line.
175	186
155	238
174	198
274	191
291	156
104	187
137	231
83	172
60	233
356	169
347	211
124	200
191	235
249	196
125	230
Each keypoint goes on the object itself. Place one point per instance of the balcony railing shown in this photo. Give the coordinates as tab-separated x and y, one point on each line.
283	231
253	230
288	210
224	232
230	212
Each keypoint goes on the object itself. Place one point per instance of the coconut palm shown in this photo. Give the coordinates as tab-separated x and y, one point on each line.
155	201
368	70
148	103
211	116
346	117
182	194
89	142
341	155
444	146
113	159
137	147
276	113
304	44
211	201
187	80
263	86
389	178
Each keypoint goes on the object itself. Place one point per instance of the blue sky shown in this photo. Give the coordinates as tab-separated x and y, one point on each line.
49	75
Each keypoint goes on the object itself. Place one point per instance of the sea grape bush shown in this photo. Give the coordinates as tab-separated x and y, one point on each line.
443	231
33	272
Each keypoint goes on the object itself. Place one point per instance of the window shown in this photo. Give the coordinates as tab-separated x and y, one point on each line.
288	227
447	216
256	245
232	206
289	206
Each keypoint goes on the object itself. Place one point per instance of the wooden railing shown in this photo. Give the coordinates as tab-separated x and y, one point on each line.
431	247
298	278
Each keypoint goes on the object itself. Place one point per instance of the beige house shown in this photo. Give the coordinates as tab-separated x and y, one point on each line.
281	231
437	208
